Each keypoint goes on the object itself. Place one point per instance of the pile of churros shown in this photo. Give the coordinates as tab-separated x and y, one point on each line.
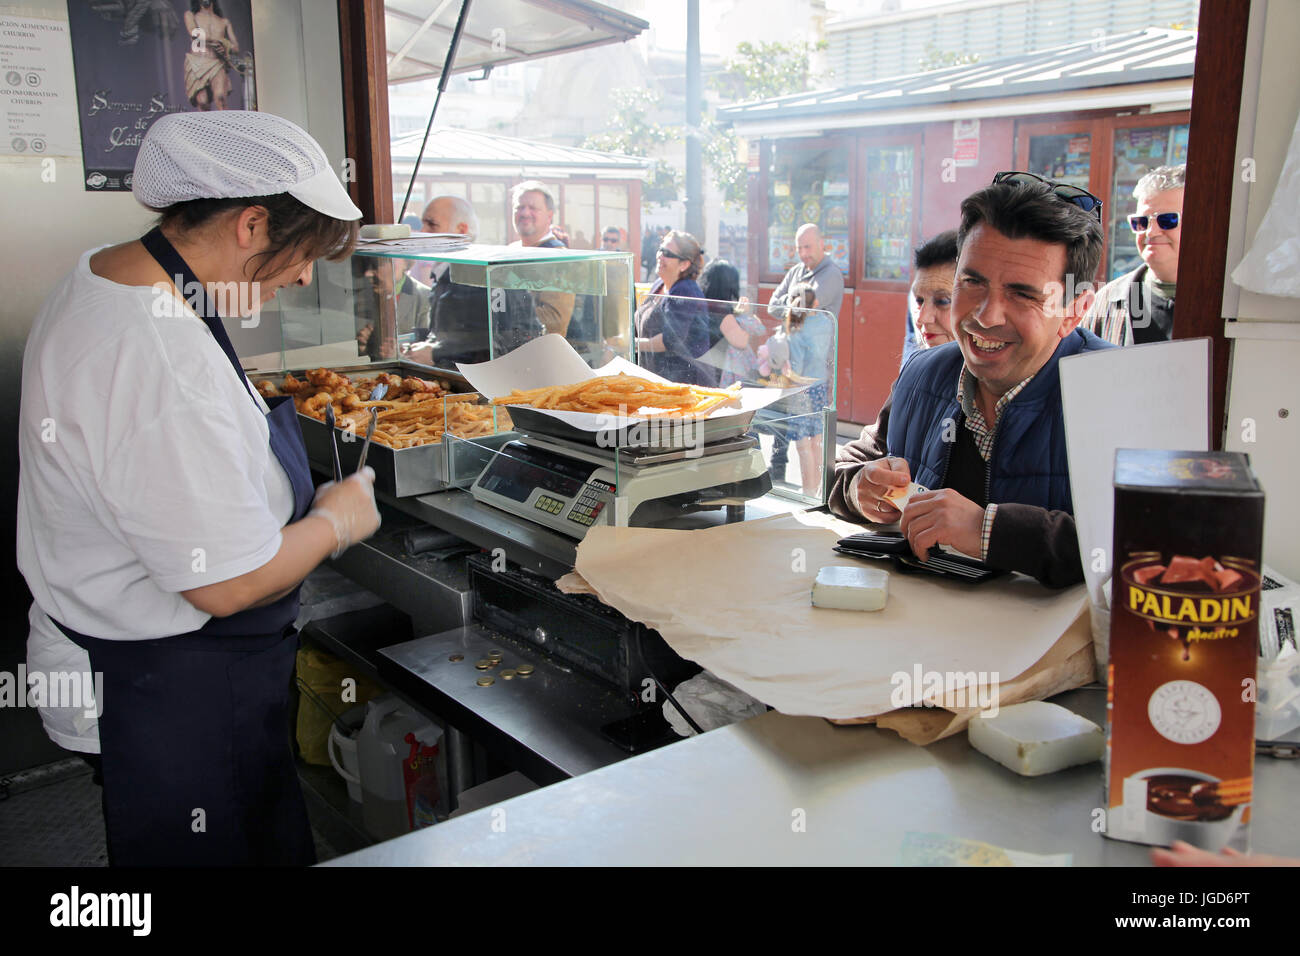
414	411
626	395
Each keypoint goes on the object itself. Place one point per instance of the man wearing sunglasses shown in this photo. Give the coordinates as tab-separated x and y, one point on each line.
1139	306
979	420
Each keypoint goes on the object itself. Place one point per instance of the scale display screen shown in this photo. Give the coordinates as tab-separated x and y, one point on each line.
524	468
549	488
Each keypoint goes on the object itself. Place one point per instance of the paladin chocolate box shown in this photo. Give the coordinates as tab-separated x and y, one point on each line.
1184	632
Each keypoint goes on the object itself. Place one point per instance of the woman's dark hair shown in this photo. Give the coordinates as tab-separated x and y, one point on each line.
293	228
720	280
196	4
940	250
1032	211
802	300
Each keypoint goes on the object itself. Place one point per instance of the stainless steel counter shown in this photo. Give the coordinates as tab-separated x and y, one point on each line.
735	795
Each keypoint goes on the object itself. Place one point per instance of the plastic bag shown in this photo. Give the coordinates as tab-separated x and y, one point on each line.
712	703
1272	265
320	679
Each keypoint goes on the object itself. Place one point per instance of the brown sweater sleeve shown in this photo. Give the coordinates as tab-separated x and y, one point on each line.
1037	542
872	445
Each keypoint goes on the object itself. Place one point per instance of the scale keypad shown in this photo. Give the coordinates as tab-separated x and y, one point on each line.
587	507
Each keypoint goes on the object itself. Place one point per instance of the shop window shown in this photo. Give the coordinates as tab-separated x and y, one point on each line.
1063	157
889	213
806	184
580	216
489	201
613	212
1138	150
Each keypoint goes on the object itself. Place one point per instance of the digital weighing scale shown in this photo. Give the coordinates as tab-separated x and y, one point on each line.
572	486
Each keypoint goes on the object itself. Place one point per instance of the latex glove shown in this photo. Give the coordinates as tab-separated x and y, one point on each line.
349	507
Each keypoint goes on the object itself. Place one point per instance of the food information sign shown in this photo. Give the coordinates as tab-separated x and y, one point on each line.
36	98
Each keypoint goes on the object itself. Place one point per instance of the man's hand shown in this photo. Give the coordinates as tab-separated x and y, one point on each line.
876	478
943	517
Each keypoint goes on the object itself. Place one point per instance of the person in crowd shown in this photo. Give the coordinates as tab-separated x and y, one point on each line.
672	331
611	240
534	218
166	528
817	267
458	313
929	320
736	321
811	333
1138	307
978	421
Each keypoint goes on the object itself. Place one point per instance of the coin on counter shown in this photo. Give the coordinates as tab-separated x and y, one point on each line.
507	674
483	664
486	681
456	658
524	670
495	655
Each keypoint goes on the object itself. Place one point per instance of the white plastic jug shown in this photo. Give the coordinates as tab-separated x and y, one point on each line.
381	750
342	749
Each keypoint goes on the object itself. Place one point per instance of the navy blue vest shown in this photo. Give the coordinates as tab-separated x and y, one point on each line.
1028	464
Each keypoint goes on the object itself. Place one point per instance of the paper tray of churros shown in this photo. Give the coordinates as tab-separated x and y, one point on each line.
550	390
412	418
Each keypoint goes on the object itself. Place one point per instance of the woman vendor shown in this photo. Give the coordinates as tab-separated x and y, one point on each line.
166	514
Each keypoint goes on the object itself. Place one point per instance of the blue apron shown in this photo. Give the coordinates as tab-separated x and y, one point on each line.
194	728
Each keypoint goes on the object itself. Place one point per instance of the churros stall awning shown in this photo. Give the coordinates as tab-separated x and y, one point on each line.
497	32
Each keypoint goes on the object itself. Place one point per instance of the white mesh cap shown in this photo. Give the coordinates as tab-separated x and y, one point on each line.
230	154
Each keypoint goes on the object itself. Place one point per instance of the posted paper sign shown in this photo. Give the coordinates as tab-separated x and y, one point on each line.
37	103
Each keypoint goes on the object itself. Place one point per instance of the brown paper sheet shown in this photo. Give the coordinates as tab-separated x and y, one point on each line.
737	600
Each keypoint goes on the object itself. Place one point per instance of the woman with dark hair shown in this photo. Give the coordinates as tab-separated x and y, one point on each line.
733	317
929	317
166	511
672	331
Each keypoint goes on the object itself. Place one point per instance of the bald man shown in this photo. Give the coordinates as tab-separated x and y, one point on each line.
450	214
458	314
816	267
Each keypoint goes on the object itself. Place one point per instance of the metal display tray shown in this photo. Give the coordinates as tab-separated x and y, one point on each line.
400	472
662	434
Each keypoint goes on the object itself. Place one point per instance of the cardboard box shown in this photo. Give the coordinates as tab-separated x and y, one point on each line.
1183	646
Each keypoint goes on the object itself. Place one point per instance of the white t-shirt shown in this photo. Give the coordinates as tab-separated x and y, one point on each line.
145	470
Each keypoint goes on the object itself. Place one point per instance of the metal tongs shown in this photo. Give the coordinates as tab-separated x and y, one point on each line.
334	441
378	393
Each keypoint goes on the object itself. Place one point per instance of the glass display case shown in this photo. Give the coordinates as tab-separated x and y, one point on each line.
416	324
438	309
770	427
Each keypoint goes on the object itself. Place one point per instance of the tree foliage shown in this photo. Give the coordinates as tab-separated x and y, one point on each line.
760	70
754	71
632	133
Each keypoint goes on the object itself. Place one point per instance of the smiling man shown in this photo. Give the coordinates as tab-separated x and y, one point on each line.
1138	307
979	420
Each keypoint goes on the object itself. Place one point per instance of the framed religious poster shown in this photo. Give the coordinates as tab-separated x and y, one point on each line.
137	60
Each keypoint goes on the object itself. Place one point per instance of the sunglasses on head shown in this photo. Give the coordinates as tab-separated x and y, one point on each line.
1071	194
1165	220
668	253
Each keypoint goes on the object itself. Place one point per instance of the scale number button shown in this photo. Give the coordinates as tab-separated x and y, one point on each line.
548	504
